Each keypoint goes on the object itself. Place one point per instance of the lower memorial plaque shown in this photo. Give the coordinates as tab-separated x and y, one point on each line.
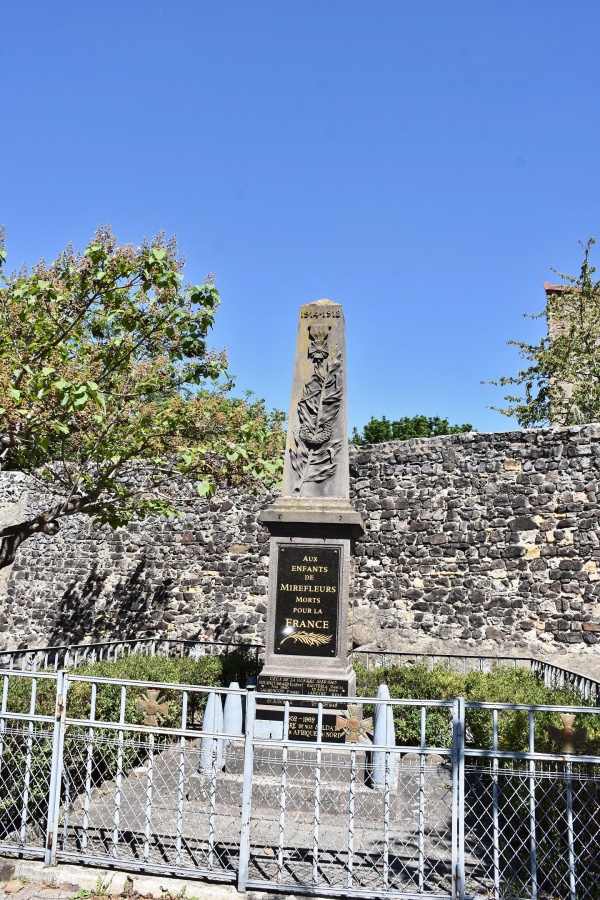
303	687
306	600
302	726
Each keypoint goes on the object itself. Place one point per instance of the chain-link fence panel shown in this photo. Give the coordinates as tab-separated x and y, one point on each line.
355	818
532	829
150	790
28	745
532	818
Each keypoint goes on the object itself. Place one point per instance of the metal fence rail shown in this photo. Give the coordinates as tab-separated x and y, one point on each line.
463	663
457	800
556	676
64	656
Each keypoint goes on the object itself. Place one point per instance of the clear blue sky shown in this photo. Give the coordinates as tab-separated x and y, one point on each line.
422	163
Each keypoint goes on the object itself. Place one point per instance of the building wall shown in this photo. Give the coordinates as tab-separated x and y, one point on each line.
469	538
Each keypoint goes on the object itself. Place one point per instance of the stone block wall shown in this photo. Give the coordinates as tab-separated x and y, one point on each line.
469	538
483	537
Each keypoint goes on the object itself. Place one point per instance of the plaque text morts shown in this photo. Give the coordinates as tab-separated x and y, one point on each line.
306	600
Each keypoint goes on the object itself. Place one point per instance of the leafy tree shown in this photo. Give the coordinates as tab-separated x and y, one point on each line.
376	431
104	369
231	440
562	384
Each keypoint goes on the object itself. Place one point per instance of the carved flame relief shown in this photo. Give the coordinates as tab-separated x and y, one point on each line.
313	453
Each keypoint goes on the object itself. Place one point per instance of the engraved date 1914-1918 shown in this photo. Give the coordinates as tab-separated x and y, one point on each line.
320	314
313	452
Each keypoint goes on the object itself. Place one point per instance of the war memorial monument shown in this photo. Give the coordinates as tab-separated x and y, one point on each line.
312	530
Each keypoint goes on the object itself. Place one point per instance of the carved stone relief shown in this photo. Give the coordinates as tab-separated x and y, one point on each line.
313	452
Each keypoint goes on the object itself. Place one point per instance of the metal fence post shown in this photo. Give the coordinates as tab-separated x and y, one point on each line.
56	769
247	790
458	799
532	810
568	769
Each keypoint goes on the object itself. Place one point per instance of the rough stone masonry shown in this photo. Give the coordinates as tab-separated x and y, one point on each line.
469	538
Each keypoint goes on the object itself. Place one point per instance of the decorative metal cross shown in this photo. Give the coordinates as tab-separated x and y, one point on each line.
353	725
151	705
570	738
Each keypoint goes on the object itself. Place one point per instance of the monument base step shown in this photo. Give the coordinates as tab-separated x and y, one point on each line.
299	795
335	764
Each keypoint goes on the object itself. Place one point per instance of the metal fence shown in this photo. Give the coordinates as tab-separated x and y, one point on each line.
466	800
530	820
72	656
65	656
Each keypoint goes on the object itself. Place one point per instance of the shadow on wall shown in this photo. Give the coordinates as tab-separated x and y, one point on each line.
95	611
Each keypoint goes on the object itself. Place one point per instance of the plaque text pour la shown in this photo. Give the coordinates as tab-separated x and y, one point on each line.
306	600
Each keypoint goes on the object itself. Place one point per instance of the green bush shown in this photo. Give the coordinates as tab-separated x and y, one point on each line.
415	683
19	696
209	671
16	761
507	685
502	685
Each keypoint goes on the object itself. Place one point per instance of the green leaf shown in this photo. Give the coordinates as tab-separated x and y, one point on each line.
205	488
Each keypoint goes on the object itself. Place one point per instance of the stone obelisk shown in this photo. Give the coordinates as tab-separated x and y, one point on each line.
312	528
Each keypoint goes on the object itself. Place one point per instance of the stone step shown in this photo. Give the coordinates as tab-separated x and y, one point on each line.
267	791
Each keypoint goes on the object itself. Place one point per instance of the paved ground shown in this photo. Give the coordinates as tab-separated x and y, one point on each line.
28	880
